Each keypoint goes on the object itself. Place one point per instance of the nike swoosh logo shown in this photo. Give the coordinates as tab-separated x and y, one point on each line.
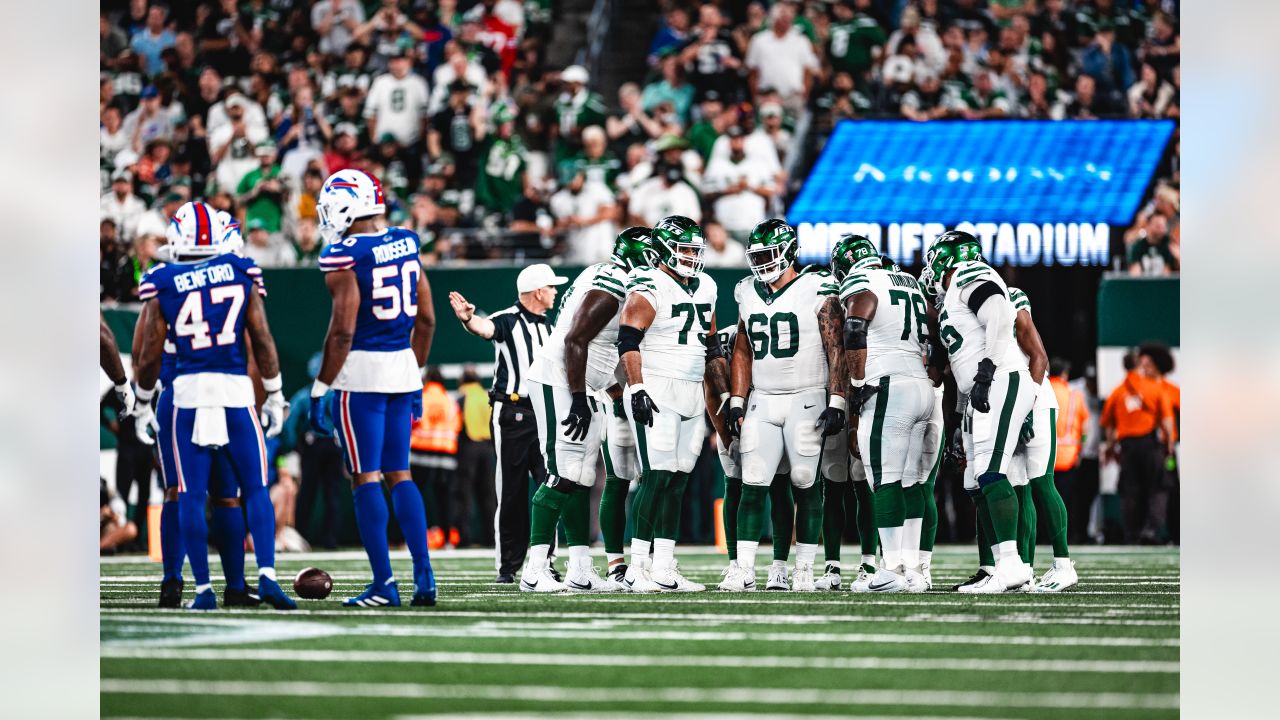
806	407
881	586
579	586
664	586
528	584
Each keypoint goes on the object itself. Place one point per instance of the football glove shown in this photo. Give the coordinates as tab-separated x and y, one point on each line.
1028	429
861	394
124	393
579	419
955	449
318	415
144	416
274	408
642	406
737	412
832	419
979	396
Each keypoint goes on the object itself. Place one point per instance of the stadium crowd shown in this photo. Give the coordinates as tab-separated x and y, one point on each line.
487	152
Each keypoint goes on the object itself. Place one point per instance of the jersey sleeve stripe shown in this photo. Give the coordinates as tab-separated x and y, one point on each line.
600	279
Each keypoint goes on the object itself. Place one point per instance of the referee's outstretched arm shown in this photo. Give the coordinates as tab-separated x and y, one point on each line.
466	312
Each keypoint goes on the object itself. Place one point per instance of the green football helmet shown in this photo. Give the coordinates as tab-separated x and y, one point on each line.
771	249
679	245
853	252
950	248
888	263
927	286
633	248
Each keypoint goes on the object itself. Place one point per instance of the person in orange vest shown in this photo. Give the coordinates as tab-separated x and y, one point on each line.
1073	417
433	450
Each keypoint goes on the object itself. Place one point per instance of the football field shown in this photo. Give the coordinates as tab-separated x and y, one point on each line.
1107	649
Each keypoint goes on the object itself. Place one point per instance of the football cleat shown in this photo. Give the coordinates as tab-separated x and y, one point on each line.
551	568
738	579
618	576
830	580
860	583
733	565
686	585
239	597
374	597
204	601
916	582
171	593
974	579
928	576
885	581
988	585
584	578
777	578
424	588
1013	572
669	579
638	579
537	577
802	578
1059	577
272	594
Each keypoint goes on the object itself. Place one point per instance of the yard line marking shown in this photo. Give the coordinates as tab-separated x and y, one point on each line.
217	631
614	715
717	661
674	695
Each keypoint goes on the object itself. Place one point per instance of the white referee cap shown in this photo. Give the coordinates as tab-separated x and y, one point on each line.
538	276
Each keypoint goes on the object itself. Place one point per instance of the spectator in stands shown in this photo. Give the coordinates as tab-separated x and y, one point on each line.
666	192
673	33
111	136
722	252
312	183
575	108
927	46
1150	248
122	206
711	57
154	38
585	213
336	22
352	73
397	101
458	66
926	101
150	121
115	530
840	101
1164	45
301	134
504	163
1150	96
856	39
262	191
984	101
115	270
1109	64
738	189
671	89
232	143
600	165
631	124
142	256
306	243
771	128
1036	103
457	130
263	249
781	60
1084	105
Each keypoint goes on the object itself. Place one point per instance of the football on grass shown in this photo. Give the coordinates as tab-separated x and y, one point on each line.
312	584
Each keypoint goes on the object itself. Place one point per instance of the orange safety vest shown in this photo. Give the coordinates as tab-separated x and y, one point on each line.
1072	417
437	430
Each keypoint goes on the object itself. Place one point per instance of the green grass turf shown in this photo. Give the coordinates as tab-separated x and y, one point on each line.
1108	648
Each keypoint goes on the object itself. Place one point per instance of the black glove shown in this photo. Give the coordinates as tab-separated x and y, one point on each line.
831	421
579	419
861	395
979	395
643	408
955	449
1028	429
733	418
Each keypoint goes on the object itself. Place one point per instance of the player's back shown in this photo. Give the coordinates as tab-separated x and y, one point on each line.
674	346
963	334
386	268
782	329
897	334
204	304
602	351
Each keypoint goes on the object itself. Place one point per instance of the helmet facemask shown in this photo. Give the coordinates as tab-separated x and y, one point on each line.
768	263
686	257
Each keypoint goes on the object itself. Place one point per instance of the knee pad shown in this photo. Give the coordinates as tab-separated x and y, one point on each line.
802	477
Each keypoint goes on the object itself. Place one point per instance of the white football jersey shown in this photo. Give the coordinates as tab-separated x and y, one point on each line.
898	332
1045	396
963	335
674	346
782	326
602	351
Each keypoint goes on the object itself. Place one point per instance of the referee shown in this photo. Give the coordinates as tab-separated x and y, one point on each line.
517	334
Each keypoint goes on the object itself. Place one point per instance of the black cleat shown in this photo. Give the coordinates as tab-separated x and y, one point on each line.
555	573
232	597
505	578
171	594
977	578
426	598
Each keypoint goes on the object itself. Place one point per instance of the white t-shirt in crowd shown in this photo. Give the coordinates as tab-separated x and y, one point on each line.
240	158
781	61
125	212
741	210
335	42
399	106
443	77
734	255
652	201
592	243
758	147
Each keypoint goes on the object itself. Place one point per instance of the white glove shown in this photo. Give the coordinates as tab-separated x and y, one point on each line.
124	393
144	416
273	412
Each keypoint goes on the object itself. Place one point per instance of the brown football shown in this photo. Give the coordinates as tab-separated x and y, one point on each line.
312	584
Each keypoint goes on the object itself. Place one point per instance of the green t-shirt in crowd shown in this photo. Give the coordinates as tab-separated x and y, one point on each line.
501	179
267	208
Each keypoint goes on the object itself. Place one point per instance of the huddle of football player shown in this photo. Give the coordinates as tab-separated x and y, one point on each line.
825	398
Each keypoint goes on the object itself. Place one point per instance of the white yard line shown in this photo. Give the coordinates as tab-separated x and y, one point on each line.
674	695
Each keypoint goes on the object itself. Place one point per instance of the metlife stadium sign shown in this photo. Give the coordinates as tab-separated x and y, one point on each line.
1034	192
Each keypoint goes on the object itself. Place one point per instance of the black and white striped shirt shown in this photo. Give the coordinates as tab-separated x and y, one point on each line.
517	337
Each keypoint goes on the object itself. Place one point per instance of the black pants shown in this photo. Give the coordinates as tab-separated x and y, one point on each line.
134	462
1143	494
1083	488
321	460
435	481
474	501
515	438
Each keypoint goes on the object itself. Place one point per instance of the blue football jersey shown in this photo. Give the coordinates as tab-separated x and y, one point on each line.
204	304
387	270
169	358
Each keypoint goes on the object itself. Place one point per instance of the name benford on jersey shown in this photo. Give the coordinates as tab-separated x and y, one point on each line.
782	327
602	351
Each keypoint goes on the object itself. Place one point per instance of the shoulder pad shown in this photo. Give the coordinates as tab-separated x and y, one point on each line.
1019	299
970	272
609	279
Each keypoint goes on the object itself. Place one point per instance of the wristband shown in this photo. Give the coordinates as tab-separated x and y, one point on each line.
837	402
318	389
144	395
737	402
122	384
273	384
857	382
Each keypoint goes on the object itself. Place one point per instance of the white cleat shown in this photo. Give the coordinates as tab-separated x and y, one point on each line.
1059	577
738	579
582	577
777	578
830	580
1013	572
860	583
638	580
802	578
617	578
916	582
886	581
536	577
928	577
989	585
669	579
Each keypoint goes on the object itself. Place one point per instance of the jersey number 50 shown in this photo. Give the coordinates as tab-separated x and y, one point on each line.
408	289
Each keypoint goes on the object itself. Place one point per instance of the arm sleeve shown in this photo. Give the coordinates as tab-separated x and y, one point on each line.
997	318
